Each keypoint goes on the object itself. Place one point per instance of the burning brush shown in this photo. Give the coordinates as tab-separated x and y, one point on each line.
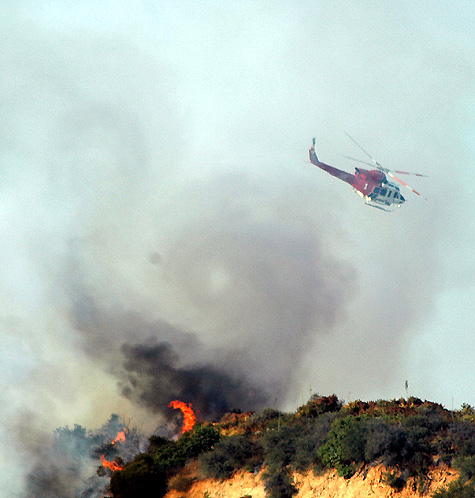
189	417
114	465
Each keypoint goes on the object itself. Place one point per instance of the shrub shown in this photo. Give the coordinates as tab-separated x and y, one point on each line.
303	441
456	489
467	412
268	418
396	480
279	446
292	447
278	484
201	439
230	454
416	454
139	479
156	442
385	442
344	446
318	405
180	483
466	465
170	455
461	436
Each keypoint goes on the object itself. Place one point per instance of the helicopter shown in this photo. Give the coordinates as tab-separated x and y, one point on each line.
372	185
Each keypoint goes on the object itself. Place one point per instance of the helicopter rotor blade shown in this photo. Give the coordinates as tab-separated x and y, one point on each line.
387	171
405	184
358	160
359	146
409	173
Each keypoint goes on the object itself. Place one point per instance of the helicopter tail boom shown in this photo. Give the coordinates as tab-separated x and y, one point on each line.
342	175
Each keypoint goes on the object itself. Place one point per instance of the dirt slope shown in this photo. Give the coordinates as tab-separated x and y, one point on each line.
362	485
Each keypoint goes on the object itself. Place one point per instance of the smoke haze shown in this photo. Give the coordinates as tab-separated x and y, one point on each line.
163	236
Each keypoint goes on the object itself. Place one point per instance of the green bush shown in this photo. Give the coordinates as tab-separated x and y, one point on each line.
456	489
268	418
385	442
344	446
171	455
230	454
417	454
406	436
466	465
279	446
291	447
201	439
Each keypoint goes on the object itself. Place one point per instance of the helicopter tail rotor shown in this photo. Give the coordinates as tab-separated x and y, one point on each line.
312	150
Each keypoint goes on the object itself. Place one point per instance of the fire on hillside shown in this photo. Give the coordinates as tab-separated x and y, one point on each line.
189	417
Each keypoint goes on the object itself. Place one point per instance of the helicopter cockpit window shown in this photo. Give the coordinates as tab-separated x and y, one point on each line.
376	190
383	192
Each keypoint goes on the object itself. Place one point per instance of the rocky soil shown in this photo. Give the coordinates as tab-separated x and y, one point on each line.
364	484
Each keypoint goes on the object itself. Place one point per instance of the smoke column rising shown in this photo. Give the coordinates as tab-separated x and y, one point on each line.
112	248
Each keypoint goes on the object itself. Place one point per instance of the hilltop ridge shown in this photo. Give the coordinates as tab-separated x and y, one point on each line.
398	448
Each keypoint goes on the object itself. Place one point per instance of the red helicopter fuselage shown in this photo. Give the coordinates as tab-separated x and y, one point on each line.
363	180
372	185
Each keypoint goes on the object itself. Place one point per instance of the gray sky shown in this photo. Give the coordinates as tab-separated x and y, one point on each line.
156	186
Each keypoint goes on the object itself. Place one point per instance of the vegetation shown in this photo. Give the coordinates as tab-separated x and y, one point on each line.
408	437
180	483
140	478
171	456
231	453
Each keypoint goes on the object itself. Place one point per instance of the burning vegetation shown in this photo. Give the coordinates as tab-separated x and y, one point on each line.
119	438
189	417
409	437
114	465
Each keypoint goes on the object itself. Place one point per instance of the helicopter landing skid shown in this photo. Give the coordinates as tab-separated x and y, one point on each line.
378	207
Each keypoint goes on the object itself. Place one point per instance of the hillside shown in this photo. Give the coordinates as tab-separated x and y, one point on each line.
398	448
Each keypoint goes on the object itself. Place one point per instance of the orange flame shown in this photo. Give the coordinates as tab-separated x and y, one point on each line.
188	414
111	465
119	438
114	465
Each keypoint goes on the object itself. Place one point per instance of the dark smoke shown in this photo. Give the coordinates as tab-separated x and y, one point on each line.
253	280
153	378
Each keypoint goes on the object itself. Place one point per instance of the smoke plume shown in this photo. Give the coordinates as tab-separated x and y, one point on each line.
153	378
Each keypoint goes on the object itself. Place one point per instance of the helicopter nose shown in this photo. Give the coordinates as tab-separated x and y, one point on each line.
402	198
